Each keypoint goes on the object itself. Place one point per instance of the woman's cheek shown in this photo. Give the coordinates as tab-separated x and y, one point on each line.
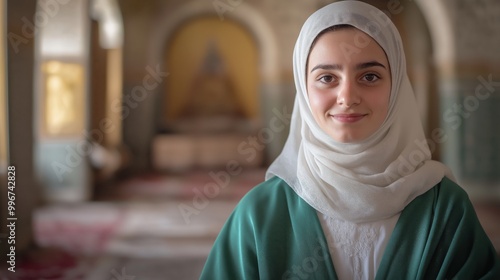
320	101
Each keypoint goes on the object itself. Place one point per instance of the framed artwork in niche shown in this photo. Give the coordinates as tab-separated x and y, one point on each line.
64	100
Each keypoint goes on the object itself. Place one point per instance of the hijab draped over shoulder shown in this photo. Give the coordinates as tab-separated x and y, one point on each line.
369	180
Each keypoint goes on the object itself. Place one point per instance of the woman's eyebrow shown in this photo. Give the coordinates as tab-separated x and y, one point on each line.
360	66
327	67
369	64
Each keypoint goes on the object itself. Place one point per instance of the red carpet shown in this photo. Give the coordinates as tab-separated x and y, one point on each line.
49	264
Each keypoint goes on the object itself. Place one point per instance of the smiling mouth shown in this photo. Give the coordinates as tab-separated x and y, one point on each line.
348	118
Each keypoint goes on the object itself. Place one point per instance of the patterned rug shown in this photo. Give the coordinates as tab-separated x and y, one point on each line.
151	215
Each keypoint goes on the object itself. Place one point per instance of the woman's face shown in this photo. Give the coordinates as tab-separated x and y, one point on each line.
348	84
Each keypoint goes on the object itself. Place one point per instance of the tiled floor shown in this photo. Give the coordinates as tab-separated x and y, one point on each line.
150	227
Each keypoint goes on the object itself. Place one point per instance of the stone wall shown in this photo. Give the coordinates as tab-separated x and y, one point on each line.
470	96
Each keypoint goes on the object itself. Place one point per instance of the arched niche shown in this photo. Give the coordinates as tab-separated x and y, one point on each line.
244	14
249	19
213	78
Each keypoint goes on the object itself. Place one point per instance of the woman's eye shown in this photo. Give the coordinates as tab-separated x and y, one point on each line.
326	79
370	77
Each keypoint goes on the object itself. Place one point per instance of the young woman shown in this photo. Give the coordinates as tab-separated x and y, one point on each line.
354	193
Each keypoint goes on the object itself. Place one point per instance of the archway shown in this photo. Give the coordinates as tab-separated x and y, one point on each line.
267	63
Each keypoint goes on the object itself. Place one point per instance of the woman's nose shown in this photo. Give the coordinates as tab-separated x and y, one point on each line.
348	95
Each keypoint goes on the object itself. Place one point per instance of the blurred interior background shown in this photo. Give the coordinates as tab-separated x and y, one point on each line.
135	126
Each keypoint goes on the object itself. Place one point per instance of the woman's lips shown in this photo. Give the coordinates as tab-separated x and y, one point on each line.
348	118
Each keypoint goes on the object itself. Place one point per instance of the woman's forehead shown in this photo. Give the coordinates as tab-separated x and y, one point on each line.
347	45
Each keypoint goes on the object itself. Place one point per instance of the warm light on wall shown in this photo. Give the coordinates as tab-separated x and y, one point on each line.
114	92
64	99
187	51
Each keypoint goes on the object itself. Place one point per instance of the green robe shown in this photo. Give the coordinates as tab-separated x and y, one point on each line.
274	234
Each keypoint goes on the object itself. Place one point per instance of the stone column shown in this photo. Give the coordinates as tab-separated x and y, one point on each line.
20	124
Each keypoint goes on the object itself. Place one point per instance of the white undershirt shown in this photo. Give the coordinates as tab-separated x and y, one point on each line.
357	249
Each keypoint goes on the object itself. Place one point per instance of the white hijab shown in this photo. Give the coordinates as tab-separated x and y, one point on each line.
369	180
